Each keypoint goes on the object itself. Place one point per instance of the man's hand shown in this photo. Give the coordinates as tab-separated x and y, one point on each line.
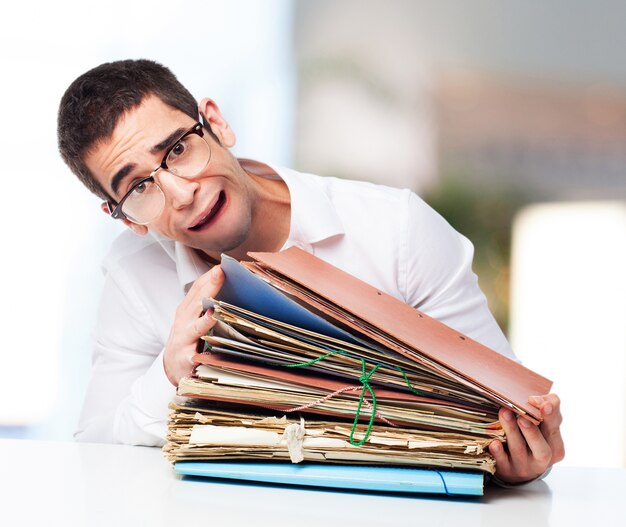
189	325
530	449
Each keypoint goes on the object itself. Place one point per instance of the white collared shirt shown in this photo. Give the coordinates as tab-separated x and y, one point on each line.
387	237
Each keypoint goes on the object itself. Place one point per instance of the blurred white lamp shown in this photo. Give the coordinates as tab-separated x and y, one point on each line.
568	319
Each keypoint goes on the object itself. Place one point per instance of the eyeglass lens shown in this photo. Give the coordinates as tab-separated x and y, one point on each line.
187	159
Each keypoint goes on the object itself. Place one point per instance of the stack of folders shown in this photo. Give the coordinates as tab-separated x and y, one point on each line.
309	364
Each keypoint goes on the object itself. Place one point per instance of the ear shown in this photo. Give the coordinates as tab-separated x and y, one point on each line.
216	121
141	230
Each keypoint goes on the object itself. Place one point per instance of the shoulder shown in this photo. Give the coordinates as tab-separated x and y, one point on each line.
132	252
134	266
353	199
351	189
140	293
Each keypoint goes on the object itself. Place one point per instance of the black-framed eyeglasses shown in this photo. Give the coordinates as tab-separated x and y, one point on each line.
145	200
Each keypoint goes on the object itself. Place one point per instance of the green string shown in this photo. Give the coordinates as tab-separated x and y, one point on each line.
365	382
408	383
340	352
299	364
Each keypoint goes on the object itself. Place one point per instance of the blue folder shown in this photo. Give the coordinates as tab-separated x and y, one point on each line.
355	477
244	289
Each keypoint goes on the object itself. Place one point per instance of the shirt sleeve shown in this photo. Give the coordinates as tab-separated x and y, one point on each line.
128	393
436	266
500	483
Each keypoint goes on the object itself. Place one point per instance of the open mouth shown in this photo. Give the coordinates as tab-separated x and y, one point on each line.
221	199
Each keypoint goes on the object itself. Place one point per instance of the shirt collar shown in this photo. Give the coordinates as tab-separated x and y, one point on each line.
189	265
313	219
313	215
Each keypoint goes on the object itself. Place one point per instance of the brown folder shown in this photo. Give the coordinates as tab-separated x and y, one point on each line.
381	317
314	381
393	404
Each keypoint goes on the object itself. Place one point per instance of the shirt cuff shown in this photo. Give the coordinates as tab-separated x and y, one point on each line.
497	481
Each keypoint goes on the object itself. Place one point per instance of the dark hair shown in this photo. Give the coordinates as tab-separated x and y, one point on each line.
95	101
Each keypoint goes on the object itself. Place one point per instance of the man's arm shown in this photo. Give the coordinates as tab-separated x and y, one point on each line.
440	282
436	277
129	390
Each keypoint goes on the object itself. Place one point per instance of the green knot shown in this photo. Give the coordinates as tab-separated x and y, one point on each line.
364	379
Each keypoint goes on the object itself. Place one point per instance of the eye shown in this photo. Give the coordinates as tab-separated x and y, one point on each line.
178	150
141	188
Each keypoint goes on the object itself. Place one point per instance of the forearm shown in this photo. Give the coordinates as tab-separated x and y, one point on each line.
136	415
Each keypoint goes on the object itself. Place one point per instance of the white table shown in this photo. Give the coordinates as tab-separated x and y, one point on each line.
47	483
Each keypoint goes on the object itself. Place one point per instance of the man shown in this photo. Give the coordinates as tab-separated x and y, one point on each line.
161	163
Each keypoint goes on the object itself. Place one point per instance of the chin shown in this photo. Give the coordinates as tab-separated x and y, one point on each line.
227	234
228	242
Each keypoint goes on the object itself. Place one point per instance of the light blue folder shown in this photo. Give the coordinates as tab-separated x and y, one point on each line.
356	477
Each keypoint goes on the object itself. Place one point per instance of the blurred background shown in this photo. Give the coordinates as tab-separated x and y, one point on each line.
507	116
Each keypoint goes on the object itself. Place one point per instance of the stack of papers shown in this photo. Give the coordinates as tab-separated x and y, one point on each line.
308	363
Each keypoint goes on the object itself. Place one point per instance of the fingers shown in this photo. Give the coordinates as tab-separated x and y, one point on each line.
550	407
530	449
215	275
527	454
206	286
539	447
201	325
503	463
189	325
551	426
516	444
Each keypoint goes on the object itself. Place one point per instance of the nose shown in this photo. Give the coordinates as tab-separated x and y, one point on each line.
179	191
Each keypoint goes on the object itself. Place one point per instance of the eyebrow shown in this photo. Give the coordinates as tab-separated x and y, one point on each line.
119	176
168	141
117	179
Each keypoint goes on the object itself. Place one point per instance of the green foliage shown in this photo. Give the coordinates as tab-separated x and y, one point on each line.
483	213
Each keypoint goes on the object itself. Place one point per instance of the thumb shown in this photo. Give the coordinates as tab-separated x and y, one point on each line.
216	280
217	275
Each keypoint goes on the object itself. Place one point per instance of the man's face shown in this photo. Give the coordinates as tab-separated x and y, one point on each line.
211	211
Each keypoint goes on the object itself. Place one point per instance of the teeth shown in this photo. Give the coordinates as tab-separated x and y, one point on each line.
203	220
209	214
